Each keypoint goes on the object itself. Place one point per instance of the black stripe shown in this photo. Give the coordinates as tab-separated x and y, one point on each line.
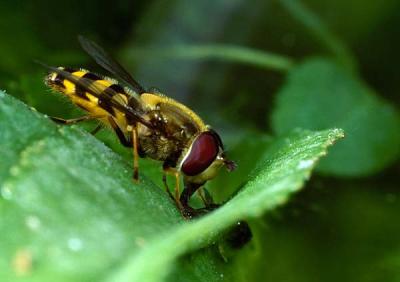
117	88
59	79
81	91
104	104
91	76
70	70
107	94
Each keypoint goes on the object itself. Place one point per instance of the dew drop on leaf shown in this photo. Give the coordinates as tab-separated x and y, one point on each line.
33	222
75	244
6	192
303	164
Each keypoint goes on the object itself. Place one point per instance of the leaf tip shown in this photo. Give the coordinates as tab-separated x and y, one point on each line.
335	134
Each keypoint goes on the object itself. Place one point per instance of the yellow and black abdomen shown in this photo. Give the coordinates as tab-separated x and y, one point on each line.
97	101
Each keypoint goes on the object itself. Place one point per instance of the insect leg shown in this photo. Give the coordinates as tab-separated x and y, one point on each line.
96	129
177	187
72	120
188	191
202	196
190	188
128	143
121	136
135	154
79	119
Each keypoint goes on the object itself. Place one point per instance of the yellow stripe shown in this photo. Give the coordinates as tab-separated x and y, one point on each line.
121	99
69	87
79	73
92	98
105	83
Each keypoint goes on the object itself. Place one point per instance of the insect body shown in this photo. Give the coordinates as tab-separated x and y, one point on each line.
96	104
153	124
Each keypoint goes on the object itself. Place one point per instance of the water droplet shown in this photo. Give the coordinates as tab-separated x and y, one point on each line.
33	222
6	192
303	164
75	244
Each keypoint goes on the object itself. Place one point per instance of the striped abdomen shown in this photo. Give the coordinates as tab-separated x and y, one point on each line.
96	103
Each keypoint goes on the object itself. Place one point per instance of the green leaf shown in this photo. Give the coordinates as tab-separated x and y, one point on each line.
71	212
283	170
69	204
247	152
320	95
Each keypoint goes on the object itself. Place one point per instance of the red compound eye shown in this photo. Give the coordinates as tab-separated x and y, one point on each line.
202	153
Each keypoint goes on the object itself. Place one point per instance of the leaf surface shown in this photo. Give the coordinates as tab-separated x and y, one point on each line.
320	94
69	209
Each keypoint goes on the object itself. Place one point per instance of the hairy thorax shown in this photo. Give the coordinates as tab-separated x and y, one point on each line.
176	125
158	146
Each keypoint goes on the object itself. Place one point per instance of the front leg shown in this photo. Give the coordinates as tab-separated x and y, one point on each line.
187	193
168	170
164	179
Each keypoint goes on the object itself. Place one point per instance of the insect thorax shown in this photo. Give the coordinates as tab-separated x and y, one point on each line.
176	126
157	145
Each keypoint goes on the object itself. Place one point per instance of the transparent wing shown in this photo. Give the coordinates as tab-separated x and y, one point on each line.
109	63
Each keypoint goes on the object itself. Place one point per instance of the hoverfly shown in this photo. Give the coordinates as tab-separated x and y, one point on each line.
152	124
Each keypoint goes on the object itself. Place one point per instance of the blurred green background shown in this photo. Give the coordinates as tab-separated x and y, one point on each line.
345	224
